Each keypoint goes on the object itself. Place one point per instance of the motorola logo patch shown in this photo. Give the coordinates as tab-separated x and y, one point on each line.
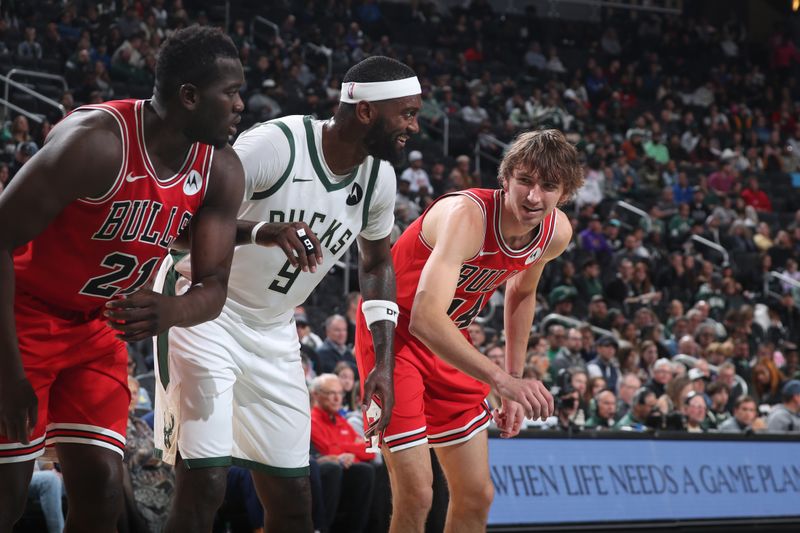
356	193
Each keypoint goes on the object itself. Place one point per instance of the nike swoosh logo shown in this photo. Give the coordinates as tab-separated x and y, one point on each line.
130	178
300	180
486	253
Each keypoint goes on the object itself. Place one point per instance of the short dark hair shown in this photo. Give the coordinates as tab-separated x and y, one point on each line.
187	57
378	68
716	387
743	399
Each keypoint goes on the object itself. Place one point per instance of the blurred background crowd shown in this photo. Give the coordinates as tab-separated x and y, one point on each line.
677	305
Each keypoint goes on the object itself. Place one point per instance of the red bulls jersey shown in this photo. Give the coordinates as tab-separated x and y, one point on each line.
99	248
480	275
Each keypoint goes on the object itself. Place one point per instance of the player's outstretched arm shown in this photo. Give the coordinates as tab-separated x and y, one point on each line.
377	282
519	309
53	178
146	313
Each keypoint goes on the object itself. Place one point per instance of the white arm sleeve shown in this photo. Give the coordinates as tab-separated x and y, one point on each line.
265	153
380	220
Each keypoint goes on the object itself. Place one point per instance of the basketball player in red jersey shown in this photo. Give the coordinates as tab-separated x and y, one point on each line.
448	263
82	227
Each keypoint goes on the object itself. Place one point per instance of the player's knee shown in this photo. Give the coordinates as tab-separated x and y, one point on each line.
416	499
207	486
100	487
475	498
296	500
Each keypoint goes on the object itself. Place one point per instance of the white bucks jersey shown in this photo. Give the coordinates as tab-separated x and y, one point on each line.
288	180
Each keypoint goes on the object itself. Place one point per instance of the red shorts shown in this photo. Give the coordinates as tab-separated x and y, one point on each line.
434	403
78	369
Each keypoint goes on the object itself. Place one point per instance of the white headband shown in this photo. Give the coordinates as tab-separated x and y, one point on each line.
355	91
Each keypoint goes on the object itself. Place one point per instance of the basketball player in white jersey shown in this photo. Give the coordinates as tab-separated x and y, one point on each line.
232	391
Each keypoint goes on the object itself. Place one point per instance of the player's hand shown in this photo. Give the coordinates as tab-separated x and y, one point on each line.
508	418
18	409
141	315
293	238
536	400
380	384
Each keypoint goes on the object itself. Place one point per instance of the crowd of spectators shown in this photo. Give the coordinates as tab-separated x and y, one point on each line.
644	323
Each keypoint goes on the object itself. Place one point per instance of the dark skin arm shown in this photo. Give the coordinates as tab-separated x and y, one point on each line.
377	281
282	234
213	233
54	177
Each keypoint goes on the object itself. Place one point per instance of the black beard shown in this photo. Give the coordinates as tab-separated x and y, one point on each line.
380	144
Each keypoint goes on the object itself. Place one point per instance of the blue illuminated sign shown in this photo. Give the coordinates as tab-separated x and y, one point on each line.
540	481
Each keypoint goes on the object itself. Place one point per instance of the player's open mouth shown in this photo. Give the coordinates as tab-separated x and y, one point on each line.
401	141
531	209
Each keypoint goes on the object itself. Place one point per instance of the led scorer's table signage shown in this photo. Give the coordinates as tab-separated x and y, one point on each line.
540	481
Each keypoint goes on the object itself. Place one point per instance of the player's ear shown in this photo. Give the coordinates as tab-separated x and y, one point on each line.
366	113
188	96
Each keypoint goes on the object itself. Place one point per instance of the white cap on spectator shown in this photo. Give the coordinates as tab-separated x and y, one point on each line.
696	373
415	155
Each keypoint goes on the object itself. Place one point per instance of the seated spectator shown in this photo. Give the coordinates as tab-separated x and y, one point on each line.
627	387
642	405
334	349
604	418
569	356
662	375
745	417
404	203
341	449
567	408
477	335
29	48
347	378
767	382
415	174
605	364
718	413
755	197
694	408
47	488
785	417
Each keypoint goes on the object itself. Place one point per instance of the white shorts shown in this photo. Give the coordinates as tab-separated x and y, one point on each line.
228	392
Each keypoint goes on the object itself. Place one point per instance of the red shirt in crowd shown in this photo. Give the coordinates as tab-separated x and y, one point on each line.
332	435
757	199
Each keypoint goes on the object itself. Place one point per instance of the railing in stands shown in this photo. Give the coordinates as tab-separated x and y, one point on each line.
639	212
265	22
574	323
488	139
667	7
714	246
786	279
24	88
323	51
32	116
444	131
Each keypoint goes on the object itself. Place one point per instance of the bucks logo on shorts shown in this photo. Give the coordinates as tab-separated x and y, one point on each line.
169	429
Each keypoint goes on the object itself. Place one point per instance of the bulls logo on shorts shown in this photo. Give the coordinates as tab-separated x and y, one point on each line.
536	254
193	183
